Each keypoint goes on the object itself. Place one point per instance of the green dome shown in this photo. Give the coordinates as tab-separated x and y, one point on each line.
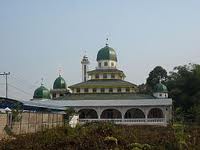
160	88
106	53
59	83
42	92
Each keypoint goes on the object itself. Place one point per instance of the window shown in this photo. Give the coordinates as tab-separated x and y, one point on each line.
127	89
105	76
110	90
105	63
86	90
78	90
94	90
54	95
112	76
99	64
112	64
61	95
97	76
102	90
119	90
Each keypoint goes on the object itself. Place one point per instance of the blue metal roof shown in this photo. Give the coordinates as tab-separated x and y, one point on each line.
62	104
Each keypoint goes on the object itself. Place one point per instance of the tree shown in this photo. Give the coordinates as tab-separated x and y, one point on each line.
184	88
157	74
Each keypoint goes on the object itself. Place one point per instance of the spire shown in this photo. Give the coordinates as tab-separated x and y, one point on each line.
42	80
60	71
106	41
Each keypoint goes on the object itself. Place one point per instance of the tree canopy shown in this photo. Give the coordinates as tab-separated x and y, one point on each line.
157	74
184	88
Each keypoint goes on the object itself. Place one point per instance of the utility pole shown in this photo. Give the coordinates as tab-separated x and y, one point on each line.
6	74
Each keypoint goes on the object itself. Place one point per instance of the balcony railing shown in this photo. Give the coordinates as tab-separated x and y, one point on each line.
128	121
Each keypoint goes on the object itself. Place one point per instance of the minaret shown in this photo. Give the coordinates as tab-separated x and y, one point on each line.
85	62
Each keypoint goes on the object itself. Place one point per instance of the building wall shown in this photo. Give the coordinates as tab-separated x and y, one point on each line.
98	90
109	64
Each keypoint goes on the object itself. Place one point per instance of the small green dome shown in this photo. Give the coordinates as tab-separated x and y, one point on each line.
160	88
106	53
42	92
59	83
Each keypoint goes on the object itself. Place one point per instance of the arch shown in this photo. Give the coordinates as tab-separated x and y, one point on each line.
87	114
155	113
134	113
111	114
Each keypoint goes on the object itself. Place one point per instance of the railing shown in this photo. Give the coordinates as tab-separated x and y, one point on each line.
128	121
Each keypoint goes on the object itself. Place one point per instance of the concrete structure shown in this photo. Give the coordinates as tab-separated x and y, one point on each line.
106	96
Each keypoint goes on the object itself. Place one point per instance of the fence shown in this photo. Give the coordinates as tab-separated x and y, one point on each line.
30	122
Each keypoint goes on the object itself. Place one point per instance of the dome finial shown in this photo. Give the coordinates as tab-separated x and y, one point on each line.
60	71
42	80
160	79
106	41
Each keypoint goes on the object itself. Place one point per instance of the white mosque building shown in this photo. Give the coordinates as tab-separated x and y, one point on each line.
104	95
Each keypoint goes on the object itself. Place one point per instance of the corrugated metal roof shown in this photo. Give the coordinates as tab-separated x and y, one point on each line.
105	96
102	83
61	104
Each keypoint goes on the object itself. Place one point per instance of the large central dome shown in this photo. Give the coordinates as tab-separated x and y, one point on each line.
106	53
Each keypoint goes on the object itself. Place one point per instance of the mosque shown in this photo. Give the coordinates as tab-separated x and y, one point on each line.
105	95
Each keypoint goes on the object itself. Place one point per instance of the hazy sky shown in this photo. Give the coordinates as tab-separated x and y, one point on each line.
38	37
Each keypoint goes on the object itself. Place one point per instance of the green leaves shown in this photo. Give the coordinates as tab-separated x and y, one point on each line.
184	87
157	74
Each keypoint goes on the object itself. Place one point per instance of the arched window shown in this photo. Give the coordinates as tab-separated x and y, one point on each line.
111	114
134	113
78	90
94	90
87	114
155	113
102	90
105	63
119	90
127	89
112	76
97	76
105	76
86	90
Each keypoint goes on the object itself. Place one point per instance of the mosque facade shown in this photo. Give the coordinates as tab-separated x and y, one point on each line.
105	95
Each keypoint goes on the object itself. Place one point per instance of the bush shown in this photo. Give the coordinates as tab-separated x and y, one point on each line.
101	136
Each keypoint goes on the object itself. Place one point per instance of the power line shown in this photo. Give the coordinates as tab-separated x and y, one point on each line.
23	81
20	90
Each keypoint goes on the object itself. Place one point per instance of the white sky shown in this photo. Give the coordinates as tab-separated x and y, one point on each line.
37	37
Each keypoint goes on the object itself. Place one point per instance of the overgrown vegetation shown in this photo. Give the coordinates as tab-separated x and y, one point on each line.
107	136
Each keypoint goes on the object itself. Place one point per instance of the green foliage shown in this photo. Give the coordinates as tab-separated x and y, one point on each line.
181	136
184	88
157	74
101	136
16	112
8	130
